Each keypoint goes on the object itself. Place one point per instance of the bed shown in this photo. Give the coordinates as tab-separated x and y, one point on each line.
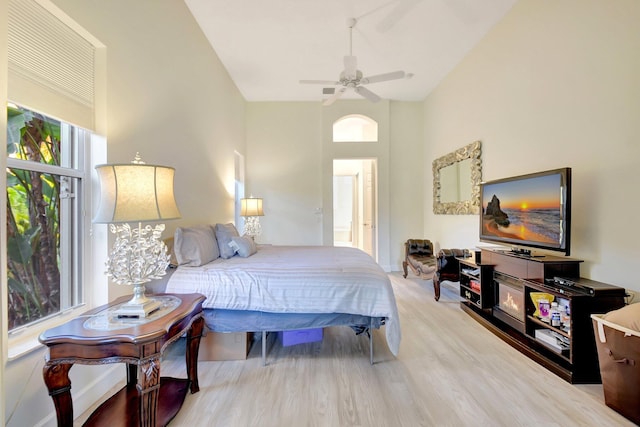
269	288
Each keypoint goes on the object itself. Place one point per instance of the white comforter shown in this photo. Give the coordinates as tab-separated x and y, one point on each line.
296	279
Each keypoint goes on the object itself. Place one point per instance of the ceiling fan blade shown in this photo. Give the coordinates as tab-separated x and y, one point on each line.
320	82
333	98
350	67
394	75
366	93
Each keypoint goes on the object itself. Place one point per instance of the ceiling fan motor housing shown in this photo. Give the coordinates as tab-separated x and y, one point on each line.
350	81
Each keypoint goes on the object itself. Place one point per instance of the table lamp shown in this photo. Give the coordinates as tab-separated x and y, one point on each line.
136	192
251	210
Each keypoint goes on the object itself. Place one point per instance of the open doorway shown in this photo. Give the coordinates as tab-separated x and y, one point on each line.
354	204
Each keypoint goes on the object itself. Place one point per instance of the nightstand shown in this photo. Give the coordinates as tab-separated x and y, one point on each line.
100	337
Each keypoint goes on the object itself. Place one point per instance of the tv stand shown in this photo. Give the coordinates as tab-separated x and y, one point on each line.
513	278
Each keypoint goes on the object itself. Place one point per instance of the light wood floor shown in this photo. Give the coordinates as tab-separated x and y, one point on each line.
450	372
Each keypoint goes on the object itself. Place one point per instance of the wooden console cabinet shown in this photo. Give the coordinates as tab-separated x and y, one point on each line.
476	282
518	277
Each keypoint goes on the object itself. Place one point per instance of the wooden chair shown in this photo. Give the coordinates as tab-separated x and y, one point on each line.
448	267
419	257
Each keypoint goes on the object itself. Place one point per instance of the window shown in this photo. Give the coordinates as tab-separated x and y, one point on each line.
45	169
52	62
355	128
56	72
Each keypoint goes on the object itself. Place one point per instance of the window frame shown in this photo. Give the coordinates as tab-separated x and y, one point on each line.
31	90
355	128
24	339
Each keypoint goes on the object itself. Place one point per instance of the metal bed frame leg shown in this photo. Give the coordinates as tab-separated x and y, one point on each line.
264	348
371	341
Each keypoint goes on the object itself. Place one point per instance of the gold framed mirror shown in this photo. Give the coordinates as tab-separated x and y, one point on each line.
456	181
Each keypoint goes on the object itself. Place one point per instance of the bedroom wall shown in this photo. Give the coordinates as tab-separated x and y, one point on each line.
283	167
407	178
289	164
554	84
169	98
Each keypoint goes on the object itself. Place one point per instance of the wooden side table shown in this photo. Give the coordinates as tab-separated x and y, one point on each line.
99	337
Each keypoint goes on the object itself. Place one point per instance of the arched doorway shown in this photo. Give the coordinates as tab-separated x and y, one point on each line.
355	187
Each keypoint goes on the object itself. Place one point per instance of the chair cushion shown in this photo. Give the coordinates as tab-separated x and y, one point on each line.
420	247
455	252
423	263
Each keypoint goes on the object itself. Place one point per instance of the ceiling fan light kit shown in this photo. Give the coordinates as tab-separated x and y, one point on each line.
352	78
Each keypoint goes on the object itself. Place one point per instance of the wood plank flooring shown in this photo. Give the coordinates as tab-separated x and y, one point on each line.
450	372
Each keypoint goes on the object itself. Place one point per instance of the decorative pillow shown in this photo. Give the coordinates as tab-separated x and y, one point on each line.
627	316
195	246
173	261
243	246
224	233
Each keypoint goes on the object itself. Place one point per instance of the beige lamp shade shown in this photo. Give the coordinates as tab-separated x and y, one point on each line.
136	193
251	207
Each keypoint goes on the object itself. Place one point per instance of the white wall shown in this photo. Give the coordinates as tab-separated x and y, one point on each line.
283	167
554	84
290	160
408	172
168	97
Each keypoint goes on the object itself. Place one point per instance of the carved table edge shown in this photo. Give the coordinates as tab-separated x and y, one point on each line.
123	359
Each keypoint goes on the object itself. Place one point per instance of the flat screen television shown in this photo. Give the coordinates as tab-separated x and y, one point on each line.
528	211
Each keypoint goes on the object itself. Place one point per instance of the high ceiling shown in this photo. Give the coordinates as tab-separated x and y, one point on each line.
268	46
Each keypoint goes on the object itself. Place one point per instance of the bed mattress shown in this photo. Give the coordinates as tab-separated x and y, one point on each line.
296	279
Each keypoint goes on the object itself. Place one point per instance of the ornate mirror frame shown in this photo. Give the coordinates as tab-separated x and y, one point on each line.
465	207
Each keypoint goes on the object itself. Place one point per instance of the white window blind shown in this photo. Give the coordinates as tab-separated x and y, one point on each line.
51	66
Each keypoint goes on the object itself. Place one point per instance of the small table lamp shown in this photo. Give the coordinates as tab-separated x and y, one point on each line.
136	192
251	209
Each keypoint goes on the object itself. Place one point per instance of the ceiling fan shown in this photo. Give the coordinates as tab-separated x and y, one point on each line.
352	78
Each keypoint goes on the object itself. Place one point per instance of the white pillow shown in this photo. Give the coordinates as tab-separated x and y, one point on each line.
224	233
195	246
243	246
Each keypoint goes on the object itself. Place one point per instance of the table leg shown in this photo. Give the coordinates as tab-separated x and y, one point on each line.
193	345
149	388
56	377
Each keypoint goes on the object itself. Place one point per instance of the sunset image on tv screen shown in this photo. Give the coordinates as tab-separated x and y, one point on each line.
528	209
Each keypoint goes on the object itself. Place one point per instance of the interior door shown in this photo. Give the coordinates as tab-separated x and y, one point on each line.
369	223
362	204
344	210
